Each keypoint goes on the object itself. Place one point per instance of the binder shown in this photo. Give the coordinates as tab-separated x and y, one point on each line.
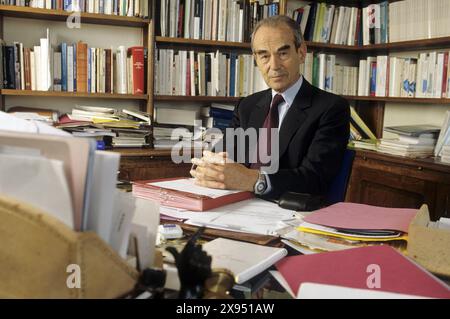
184	199
353	268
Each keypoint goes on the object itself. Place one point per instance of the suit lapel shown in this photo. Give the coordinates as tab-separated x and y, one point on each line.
259	113
296	116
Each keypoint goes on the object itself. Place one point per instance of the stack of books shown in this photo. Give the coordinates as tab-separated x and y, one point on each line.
413	141
217	116
126	128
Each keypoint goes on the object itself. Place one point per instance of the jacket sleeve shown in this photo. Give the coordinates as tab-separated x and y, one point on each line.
323	159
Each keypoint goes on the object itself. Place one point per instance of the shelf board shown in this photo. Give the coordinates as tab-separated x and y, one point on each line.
398	99
61	15
413	45
205	43
146	152
8	92
177	98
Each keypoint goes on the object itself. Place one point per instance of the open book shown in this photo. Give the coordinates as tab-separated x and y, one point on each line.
245	260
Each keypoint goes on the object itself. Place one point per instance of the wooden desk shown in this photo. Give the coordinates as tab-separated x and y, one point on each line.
393	181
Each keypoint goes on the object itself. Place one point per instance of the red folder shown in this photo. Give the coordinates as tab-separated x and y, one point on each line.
184	200
350	268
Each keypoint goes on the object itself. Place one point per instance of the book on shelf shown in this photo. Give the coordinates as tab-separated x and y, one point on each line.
117	7
413	130
189	73
215	20
73	68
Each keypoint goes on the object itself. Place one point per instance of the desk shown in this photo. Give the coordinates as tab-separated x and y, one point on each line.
393	181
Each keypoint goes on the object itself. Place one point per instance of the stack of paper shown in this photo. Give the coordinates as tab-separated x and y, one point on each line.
183	193
412	141
348	225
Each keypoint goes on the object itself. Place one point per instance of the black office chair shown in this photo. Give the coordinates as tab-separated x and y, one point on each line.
336	193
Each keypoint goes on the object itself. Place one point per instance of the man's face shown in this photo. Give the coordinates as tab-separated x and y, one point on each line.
276	56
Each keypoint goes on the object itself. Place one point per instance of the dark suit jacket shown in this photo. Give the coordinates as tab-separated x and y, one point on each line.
313	137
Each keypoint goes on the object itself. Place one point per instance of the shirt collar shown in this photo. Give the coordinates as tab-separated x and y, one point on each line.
290	94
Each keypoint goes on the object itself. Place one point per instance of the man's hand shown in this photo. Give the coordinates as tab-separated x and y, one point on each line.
216	170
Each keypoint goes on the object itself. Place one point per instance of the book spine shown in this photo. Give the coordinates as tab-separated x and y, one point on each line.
137	56
64	67
81	67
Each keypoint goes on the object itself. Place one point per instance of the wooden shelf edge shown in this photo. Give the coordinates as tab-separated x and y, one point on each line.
397	99
9	92
168	98
183	41
61	15
137	152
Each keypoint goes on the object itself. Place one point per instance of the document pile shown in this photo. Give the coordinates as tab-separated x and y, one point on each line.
413	141
183	193
347	225
115	128
66	178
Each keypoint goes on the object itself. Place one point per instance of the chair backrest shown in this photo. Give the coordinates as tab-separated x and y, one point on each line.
338	187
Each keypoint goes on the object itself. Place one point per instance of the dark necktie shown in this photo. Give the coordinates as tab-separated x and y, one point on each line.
271	121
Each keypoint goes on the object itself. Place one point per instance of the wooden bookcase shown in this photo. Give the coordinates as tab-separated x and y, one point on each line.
148	163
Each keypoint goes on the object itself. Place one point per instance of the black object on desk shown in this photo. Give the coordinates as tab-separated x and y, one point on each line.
301	202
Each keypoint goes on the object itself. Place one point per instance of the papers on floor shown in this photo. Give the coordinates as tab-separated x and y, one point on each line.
245	260
254	216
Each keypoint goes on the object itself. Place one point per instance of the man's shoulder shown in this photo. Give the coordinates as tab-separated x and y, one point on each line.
255	97
327	99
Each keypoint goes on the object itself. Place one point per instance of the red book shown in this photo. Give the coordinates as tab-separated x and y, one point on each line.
137	56
182	193
353	268
444	76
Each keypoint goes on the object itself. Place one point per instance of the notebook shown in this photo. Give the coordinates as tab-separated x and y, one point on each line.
245	260
356	267
183	193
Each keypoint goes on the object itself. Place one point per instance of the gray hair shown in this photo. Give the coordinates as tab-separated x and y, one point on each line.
280	20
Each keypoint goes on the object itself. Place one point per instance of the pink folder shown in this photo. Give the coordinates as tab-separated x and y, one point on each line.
184	199
360	216
352	268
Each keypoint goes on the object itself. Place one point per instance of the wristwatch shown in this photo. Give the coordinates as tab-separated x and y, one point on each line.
261	184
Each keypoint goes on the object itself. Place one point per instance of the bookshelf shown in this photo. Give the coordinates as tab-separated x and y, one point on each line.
145	25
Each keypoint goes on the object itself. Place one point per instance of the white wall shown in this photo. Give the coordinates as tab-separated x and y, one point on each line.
29	31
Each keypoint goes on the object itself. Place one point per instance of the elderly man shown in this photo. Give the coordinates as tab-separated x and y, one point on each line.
313	125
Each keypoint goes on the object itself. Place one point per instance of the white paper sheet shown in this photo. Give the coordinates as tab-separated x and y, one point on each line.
38	181
255	216
187	185
321	291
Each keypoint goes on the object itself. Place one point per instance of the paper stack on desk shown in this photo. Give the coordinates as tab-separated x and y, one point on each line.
349	225
183	193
